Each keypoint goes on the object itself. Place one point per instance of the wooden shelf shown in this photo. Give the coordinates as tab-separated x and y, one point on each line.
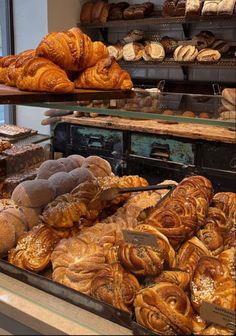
157	19
11	95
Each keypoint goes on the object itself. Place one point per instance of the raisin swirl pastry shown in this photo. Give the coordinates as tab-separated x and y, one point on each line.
226	201
75	262
115	286
190	253
164	308
212	283
34	248
177	277
147	260
212	238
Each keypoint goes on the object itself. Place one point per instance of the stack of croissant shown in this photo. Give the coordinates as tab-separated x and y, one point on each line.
164	284
62	62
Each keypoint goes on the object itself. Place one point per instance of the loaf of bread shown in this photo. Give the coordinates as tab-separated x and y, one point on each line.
133	36
115	51
208	55
133	51
185	53
210	7
105	75
193	8
100	11
229	95
153	51
86	12
141	11
221	46
226	7
116	10
169	44
98	166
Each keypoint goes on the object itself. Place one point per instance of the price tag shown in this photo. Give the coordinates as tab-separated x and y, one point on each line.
187	42
140	238
225	318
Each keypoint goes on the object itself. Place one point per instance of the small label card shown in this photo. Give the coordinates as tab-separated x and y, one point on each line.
187	42
140	238
215	314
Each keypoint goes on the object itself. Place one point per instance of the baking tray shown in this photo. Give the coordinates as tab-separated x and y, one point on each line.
138	329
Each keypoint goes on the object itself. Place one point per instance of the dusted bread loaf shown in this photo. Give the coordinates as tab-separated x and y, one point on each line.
115	51
193	7
185	53
133	51
208	55
154	51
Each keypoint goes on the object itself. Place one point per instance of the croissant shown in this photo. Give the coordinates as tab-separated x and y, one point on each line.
106	74
190	253
75	263
177	277
34	248
5	62
115	286
211	238
71	49
40	74
14	71
147	260
212	283
164	308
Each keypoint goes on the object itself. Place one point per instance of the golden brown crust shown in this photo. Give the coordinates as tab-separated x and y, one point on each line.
226	201
212	283
5	62
115	286
216	330
105	75
178	277
227	258
211	238
33	250
164	308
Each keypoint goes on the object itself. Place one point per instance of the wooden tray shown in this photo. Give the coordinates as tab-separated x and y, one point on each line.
11	95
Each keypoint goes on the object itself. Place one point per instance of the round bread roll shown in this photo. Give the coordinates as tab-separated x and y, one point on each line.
230	95
62	182
98	166
204	115
68	164
7	237
188	114
168	112
48	168
81	175
78	159
34	194
16	218
32	216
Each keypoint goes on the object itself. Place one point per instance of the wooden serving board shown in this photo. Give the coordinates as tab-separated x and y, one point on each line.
12	95
184	130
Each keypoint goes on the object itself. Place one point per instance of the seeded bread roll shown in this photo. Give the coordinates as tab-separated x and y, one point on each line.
208	55
169	44
221	46
208	35
134	36
185	53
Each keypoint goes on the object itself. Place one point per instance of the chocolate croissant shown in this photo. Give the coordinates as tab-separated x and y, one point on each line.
40	74
105	75
5	62
212	283
71	50
115	286
165	309
144	259
34	248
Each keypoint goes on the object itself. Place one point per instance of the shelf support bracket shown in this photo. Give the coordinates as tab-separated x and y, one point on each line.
104	33
186	29
185	72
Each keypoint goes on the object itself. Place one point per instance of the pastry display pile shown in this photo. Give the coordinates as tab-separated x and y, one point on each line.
81	237
60	58
136	46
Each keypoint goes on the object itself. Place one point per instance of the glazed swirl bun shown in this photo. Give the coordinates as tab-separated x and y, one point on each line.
164	308
147	260
212	283
226	201
178	277
216	330
115	286
34	248
190	253
216	218
75	262
211	238
227	258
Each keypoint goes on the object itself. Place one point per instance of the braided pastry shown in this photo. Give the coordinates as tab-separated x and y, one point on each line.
106	74
40	74
216	218
212	283
71	50
5	62
211	238
147	260
164	308
115	286
75	262
190	253
226	201
227	258
33	250
177	277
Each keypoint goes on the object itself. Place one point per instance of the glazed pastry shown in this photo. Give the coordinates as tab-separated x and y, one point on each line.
75	263
105	75
227	258
210	7
40	74
86	12
71	50
221	46
212	283
116	51
165	309
14	71
226	7
217	219
211	237
115	286
189	255
33	250
134	36
133	51
216	330
169	44
5	62
185	53
153	51
100	11
178	277
147	260
208	55
193	8
226	201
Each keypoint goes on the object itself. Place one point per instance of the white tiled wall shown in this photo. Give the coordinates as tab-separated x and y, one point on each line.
223	30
